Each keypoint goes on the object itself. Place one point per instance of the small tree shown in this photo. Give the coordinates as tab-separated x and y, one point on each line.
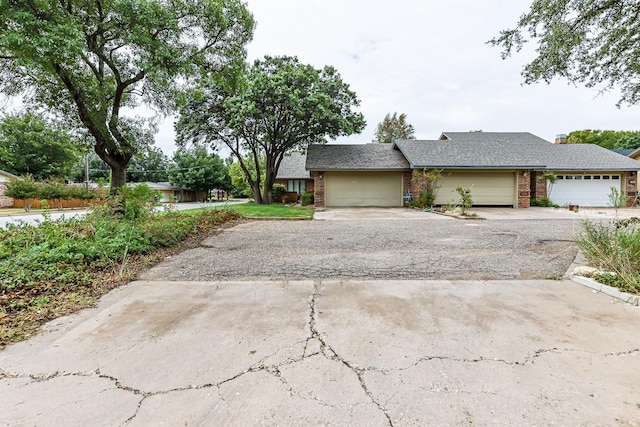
394	127
616	199
550	178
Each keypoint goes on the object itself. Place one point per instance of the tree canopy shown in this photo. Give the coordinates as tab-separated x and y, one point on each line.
594	43
609	139
88	60
198	170
31	145
394	127
276	106
149	165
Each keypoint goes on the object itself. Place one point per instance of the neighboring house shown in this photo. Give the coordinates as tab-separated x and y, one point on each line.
168	192
293	175
501	169
5	202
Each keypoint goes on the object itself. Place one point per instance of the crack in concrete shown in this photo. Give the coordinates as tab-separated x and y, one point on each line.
331	354
624	353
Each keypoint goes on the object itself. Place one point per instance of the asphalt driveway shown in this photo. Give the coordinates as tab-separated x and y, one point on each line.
313	323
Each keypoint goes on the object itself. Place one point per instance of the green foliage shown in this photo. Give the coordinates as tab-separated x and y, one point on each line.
39	263
31	145
278	105
150	165
307	199
198	170
25	189
394	127
584	41
430	181
544	202
608	139
616	198
239	182
88	61
465	199
550	178
277	192
614	247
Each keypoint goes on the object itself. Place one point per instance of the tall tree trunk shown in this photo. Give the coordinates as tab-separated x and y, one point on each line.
118	176
257	195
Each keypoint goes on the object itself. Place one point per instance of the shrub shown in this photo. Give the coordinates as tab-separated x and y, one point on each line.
465	199
614	247
307	199
544	202
277	192
26	189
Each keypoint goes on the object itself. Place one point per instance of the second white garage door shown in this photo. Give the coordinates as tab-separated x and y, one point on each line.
487	188
583	189
382	189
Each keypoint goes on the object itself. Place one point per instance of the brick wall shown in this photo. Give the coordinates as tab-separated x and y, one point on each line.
538	185
524	188
318	189
631	186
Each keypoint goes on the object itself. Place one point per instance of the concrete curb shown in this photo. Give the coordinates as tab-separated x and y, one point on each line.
616	293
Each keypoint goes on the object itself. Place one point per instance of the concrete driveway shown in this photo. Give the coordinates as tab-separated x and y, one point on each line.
366	350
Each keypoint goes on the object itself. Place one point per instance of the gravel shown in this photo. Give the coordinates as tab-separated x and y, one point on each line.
379	249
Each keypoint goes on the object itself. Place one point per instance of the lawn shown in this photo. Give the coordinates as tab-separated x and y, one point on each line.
276	210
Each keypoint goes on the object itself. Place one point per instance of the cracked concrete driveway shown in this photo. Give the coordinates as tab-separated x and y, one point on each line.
353	350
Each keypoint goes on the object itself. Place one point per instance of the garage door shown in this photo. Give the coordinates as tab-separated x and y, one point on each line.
487	188
363	189
583	190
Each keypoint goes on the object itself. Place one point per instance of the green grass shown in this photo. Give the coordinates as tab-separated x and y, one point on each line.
276	210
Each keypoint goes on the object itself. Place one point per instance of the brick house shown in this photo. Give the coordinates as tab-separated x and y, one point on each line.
5	202
293	175
502	169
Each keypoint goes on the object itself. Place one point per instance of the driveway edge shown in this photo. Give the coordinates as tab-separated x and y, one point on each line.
616	293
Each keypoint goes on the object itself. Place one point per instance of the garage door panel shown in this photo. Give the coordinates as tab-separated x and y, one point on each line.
583	189
363	189
487	188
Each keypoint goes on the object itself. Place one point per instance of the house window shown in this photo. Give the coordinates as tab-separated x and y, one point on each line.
615	177
596	177
297	185
578	176
587	177
605	176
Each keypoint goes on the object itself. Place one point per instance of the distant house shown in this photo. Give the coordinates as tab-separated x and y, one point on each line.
500	168
168	192
293	175
5	202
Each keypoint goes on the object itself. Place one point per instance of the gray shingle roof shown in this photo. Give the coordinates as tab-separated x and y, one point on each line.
354	157
510	150
292	167
624	151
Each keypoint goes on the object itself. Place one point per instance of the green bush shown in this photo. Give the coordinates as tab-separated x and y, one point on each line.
544	202
26	189
307	199
465	199
277	192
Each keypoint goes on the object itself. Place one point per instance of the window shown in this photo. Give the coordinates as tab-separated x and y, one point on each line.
605	176
569	177
596	177
615	177
297	185
560	177
578	177
587	177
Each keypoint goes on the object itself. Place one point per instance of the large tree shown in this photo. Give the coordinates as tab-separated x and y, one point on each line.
88	60
609	139
394	127
584	41
198	170
31	145
278	105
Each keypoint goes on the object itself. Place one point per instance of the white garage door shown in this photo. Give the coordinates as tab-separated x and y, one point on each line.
583	190
487	188
363	189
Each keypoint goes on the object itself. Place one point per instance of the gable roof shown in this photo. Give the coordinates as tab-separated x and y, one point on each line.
502	150
363	157
293	167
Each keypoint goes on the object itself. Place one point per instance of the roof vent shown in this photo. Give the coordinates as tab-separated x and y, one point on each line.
561	138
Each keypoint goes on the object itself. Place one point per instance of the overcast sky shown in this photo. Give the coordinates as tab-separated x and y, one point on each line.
428	59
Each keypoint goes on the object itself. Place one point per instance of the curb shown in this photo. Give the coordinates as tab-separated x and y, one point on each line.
597	286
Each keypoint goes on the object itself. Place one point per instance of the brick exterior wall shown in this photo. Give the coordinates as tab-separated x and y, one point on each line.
538	185
5	202
631	186
318	189
524	188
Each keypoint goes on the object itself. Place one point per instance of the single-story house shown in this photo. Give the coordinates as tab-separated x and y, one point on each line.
5	202
168	192
293	175
501	169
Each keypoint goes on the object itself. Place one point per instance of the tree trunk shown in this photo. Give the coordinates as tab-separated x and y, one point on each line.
257	195
118	177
